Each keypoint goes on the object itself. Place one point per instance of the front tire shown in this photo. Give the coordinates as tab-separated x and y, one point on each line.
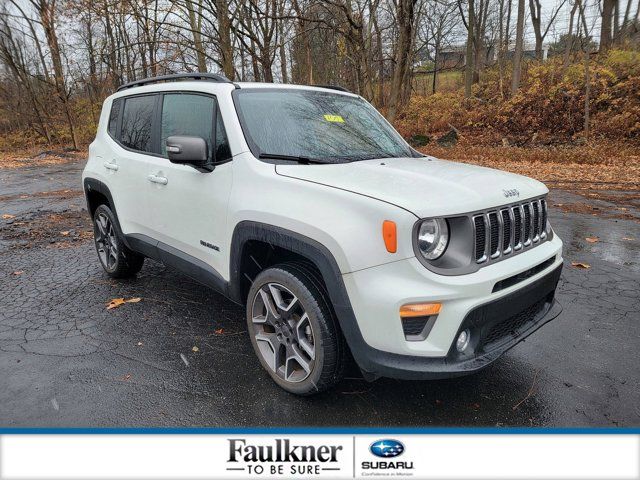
293	329
116	258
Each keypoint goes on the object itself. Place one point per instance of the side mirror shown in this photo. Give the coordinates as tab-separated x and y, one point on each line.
187	150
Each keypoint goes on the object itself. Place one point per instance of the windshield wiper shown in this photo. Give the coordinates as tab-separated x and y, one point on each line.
291	158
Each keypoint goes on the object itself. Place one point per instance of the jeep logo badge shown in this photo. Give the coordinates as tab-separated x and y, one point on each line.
511	193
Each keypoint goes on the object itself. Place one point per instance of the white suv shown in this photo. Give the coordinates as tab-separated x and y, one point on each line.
305	205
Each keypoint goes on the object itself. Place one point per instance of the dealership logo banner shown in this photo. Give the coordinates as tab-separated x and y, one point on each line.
325	455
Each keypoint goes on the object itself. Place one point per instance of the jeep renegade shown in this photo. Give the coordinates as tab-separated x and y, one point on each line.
305	205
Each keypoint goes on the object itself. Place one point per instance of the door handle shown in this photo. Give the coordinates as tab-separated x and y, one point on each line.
157	179
111	166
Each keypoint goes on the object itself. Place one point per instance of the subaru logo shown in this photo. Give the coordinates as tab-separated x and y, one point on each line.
387	448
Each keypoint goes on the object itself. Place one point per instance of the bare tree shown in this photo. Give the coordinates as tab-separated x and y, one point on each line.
517	55
46	10
606	28
536	20
403	57
469	57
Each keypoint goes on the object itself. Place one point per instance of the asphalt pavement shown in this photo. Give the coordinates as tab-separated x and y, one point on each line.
67	361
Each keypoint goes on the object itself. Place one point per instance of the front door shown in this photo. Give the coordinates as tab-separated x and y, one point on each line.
189	207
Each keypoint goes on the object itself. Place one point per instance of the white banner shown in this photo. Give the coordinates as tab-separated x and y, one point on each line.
429	456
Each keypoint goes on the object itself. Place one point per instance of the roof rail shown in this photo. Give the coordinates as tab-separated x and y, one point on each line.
211	77
333	87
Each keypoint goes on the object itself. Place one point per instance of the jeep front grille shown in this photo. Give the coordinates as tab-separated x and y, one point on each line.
509	229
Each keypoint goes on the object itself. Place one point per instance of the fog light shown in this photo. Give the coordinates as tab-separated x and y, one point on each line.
463	340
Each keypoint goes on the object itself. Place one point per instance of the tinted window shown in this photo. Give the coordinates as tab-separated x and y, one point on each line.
137	123
113	117
223	150
323	126
187	114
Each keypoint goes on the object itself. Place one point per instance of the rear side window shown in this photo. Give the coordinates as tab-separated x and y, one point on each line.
137	123
188	114
116	105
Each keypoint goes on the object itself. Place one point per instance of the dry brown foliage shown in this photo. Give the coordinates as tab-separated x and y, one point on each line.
599	166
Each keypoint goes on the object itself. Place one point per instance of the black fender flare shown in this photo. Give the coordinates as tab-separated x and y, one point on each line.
324	261
91	184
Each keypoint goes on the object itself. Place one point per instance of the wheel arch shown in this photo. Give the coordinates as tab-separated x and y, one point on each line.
301	247
97	193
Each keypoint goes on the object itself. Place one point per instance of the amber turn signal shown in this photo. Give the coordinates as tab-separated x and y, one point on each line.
389	234
419	310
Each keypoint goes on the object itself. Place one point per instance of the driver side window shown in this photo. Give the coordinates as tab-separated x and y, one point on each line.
196	116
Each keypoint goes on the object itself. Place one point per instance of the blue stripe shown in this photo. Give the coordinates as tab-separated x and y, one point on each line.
321	431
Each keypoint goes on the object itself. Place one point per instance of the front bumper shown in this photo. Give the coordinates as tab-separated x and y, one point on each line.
469	301
516	315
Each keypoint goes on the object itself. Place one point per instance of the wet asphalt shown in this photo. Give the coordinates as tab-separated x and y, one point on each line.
67	361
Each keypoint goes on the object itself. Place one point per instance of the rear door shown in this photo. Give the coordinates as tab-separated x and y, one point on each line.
189	207
127	161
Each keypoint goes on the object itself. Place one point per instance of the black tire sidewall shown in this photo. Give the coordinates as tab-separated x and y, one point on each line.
317	318
128	263
107	211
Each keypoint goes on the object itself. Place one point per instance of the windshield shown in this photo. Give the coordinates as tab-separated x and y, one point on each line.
315	126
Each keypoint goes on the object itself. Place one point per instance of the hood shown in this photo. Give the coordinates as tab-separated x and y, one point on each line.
425	186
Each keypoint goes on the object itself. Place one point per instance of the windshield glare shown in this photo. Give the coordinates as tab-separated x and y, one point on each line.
320	126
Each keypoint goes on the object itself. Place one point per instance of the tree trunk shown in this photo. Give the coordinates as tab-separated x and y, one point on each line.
468	67
606	27
46	11
380	52
587	73
282	50
405	18
517	56
226	46
195	24
434	80
536	21
569	46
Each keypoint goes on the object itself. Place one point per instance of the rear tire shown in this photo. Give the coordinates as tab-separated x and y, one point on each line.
116	258
293	329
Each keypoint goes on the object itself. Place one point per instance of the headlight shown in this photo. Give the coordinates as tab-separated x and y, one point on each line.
433	237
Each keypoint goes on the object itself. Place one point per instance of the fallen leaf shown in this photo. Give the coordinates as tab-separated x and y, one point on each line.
17	272
65	233
195	349
219	331
629	239
127	376
7	216
139	344
581	265
116	302
592	239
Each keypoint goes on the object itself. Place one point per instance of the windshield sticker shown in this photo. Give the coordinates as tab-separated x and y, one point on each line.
334	118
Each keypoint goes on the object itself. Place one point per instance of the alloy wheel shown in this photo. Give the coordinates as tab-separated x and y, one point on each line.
283	332
106	243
